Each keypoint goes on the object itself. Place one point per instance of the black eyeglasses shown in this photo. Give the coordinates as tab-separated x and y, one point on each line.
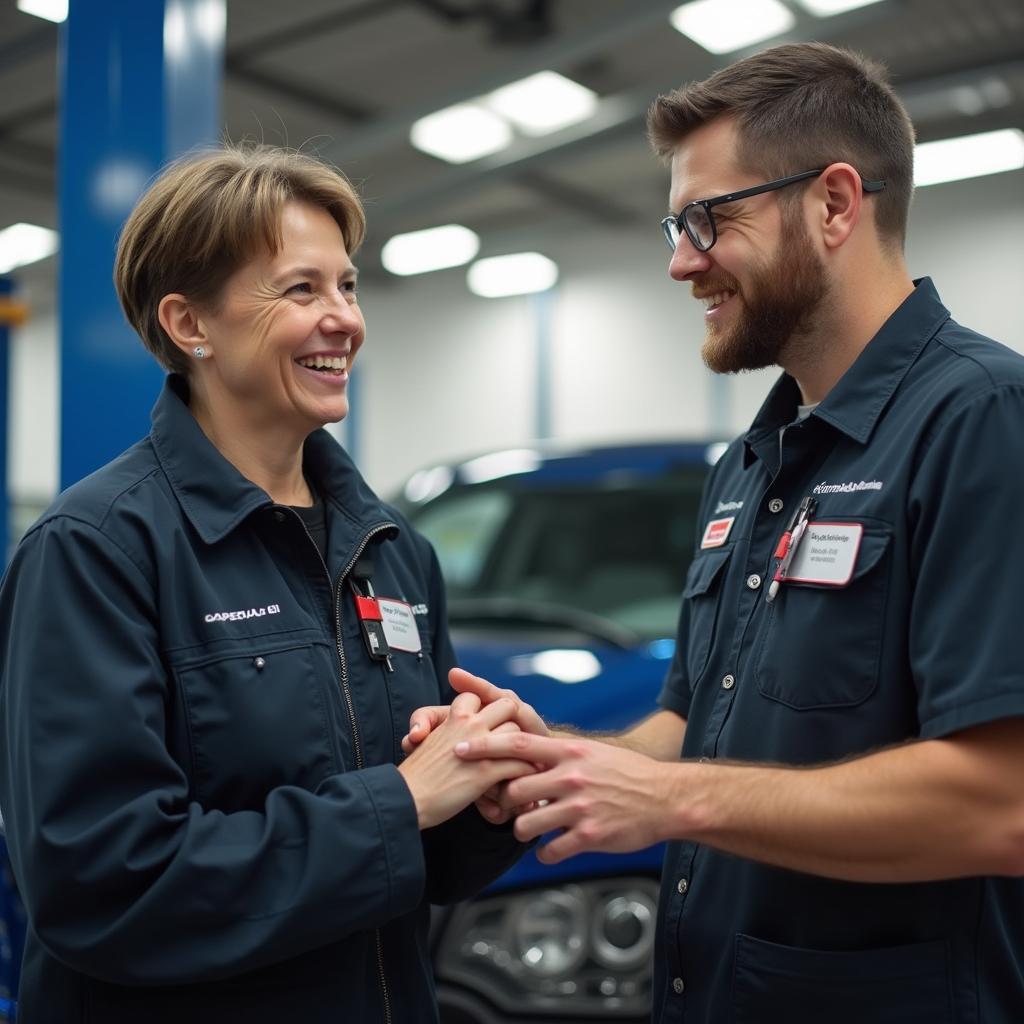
697	220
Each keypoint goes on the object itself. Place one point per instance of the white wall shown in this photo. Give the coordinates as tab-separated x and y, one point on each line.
445	374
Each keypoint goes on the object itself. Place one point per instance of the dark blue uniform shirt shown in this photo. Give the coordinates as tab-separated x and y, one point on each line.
920	445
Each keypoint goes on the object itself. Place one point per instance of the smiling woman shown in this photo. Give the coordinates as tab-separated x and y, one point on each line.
204	803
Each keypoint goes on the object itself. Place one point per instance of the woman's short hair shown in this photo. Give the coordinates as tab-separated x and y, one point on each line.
802	106
207	215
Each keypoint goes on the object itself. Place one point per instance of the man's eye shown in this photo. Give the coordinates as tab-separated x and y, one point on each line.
303	287
349	287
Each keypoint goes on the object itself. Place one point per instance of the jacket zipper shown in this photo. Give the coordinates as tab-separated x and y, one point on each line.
350	705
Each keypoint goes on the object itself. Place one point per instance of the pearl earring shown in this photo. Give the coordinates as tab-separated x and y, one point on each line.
199	352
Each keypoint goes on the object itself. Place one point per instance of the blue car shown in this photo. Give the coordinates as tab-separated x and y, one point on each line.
564	571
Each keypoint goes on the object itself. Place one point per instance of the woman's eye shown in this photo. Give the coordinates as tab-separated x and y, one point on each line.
303	287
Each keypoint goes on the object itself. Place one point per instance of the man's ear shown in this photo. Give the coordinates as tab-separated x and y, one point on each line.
840	193
182	323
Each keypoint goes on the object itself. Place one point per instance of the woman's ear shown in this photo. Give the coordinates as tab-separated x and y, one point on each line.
183	325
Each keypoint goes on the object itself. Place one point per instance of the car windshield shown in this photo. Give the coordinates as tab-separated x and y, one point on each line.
615	549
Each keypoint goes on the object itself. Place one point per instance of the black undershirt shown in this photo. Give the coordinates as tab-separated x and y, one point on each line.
315	521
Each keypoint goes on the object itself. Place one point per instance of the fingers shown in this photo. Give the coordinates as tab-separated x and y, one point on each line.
526	717
465	682
422	722
539	749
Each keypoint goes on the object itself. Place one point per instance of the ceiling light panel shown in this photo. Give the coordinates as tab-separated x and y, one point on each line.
419	252
461	133
969	156
516	274
827	8
543	103
722	26
51	10
22	244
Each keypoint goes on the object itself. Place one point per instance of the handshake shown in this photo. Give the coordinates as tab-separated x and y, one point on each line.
492	749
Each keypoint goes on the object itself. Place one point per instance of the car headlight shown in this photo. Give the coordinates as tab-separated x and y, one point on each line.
575	949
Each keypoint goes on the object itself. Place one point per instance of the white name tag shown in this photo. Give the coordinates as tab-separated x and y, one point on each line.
399	624
827	554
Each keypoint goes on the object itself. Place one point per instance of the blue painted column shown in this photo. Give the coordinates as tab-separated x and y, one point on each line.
140	85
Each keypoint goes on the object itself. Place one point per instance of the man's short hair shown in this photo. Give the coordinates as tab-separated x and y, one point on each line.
801	106
206	216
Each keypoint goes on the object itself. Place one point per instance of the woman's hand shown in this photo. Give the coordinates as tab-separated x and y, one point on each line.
442	784
425	720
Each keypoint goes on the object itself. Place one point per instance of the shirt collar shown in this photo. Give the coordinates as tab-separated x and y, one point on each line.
855	405
216	497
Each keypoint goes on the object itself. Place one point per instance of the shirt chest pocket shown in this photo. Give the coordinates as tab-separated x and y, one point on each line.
820	646
256	719
703	591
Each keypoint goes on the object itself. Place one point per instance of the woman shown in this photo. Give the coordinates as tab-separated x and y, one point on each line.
211	648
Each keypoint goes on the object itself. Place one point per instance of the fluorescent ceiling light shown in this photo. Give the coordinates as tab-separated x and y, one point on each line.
21	244
721	26
543	103
51	10
969	156
461	133
516	274
418	252
826	8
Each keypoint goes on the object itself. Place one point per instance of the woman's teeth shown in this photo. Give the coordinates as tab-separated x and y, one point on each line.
334	364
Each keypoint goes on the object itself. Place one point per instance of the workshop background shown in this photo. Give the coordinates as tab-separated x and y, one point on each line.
609	351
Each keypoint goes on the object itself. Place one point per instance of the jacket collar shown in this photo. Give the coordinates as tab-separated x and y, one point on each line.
856	403
214	495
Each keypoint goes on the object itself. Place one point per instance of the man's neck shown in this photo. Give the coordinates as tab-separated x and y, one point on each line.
853	316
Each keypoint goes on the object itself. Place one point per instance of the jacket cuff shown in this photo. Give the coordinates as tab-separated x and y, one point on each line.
400	835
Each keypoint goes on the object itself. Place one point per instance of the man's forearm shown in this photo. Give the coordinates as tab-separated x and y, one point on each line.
926	810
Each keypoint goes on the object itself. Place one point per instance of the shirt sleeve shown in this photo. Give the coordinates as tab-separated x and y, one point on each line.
675	691
126	879
466	852
966	553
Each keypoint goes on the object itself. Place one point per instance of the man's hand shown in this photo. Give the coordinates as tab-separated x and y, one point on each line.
424	721
603	797
442	784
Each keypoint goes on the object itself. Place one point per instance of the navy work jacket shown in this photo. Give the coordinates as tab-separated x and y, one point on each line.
917	453
198	754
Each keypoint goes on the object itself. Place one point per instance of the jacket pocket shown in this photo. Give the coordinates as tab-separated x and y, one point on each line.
256	720
820	646
775	984
703	591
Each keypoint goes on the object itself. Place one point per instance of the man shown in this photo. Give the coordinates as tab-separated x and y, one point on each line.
847	819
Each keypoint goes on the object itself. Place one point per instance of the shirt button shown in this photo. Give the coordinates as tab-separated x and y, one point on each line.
753	581
678	986
728	682
681	886
259	663
775	505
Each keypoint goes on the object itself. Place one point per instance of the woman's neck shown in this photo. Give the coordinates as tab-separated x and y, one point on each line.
270	459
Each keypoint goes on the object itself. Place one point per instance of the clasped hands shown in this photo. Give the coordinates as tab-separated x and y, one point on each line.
491	748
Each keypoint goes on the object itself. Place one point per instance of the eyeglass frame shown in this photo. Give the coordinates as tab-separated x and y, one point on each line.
682	227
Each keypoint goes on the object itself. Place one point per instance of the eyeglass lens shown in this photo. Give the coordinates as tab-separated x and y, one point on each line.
699	227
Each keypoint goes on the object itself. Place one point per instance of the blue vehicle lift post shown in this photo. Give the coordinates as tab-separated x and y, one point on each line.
140	84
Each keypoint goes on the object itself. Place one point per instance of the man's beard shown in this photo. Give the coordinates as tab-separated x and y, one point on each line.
779	307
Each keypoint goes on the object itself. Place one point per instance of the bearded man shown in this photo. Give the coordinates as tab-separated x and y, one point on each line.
846	824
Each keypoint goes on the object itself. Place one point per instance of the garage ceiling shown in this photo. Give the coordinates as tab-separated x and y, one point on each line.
347	78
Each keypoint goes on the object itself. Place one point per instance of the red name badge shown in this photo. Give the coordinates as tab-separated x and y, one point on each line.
717	532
